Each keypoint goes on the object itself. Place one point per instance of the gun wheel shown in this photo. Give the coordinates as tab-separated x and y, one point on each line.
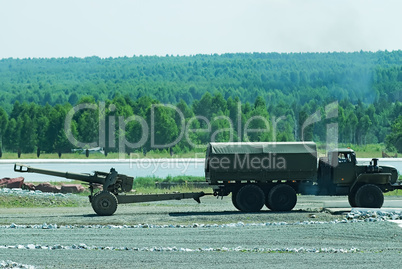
104	203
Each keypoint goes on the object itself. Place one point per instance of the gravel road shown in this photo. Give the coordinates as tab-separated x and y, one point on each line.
184	234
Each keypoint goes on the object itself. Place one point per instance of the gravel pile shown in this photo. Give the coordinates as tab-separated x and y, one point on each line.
354	216
153	226
373	215
176	249
21	192
11	264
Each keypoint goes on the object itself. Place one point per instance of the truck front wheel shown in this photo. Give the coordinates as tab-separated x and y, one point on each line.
352	198
369	196
282	197
250	198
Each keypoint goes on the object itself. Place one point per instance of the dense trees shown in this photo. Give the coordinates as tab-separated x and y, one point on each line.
394	139
295	77
218	96
124	124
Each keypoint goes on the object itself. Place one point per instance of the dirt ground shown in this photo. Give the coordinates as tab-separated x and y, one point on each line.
205	238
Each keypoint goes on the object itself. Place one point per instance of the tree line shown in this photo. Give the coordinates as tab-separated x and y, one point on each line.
288	77
280	91
125	124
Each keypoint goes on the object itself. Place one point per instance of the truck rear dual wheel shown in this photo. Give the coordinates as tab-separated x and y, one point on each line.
370	196
281	197
104	203
234	202
249	198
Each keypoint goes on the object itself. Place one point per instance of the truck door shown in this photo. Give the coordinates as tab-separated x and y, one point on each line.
344	172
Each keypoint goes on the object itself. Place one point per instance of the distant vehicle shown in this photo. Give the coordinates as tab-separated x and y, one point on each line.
91	150
274	173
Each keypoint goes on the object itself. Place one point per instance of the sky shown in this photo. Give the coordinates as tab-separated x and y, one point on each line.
49	28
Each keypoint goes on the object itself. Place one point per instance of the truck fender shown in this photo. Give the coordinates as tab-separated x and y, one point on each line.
371	178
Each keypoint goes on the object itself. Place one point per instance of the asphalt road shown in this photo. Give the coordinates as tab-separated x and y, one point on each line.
377	244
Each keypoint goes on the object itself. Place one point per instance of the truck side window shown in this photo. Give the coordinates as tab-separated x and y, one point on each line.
344	158
341	158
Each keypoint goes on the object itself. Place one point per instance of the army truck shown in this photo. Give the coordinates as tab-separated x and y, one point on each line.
274	173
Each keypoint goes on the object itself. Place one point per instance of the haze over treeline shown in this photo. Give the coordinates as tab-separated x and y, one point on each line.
367	85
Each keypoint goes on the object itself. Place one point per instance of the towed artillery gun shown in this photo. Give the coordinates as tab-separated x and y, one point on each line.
115	186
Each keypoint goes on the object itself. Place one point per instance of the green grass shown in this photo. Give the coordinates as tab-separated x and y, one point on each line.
113	155
141	182
150	182
370	151
394	193
181	189
362	151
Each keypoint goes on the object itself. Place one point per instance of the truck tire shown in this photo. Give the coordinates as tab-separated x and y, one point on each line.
250	198
267	202
234	202
369	196
282	197
352	199
104	203
266	193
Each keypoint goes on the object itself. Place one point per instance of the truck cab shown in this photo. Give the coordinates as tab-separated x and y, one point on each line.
341	174
344	164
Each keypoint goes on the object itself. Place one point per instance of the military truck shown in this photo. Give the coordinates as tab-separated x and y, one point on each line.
274	173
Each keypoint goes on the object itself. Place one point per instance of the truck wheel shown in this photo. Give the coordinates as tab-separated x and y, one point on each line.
104	203
282	197
267	202
352	199
370	196
250	198
234	202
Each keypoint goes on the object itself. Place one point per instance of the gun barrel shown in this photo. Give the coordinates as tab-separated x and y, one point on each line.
95	178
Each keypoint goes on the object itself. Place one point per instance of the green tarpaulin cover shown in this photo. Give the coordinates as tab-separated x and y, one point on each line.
262	147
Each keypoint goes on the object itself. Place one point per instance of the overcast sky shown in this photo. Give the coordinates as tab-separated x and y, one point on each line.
49	28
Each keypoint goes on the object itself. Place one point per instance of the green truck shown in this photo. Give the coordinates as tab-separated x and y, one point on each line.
272	174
